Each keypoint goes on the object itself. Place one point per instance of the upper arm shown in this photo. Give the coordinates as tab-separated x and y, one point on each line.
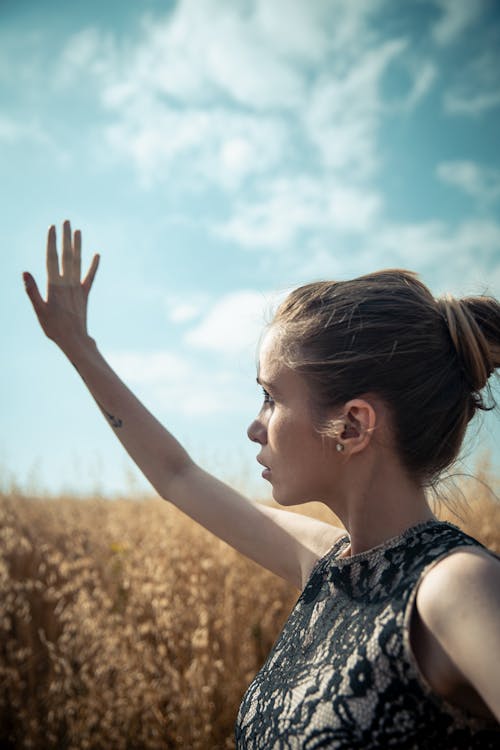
284	542
459	601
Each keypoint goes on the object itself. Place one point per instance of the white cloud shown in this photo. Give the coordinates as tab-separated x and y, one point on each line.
222	146
223	86
275	219
288	207
456	17
478	181
458	102
29	132
297	30
183	385
251	52
181	312
192	385
12	130
150	367
88	50
344	111
286	97
233	325
477	87
460	257
423	243
424	74
324	258
202	53
242	147
352	210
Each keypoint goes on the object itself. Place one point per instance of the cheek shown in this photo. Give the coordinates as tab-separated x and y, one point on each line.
289	436
279	430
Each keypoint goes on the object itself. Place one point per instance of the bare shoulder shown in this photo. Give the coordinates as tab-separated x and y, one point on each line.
459	602
461	581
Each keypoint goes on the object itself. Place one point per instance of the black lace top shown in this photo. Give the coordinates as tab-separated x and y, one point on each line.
342	675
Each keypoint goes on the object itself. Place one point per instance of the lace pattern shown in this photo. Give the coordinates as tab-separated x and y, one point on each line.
340	675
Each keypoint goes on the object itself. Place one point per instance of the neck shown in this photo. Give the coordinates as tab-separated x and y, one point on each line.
380	503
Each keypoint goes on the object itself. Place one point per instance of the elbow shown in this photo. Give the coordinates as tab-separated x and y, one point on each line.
174	477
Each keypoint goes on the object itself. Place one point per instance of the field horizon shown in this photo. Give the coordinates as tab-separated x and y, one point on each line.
123	624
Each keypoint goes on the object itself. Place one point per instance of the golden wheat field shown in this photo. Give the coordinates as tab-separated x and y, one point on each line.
125	625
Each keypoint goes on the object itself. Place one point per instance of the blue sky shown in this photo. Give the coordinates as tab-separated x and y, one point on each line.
217	153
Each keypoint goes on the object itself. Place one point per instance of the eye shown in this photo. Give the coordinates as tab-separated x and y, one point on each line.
268	399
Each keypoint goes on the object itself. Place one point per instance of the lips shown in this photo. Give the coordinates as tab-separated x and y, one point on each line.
267	471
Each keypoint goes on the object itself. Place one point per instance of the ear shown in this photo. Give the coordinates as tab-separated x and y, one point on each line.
359	419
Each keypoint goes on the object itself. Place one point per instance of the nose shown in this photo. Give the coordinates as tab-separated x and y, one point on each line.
257	432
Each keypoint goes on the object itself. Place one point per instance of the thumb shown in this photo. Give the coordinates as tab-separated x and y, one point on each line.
33	293
89	278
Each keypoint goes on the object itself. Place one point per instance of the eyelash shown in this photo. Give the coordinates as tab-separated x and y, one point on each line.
268	399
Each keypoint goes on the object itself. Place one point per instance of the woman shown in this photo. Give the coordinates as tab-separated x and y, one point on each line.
368	385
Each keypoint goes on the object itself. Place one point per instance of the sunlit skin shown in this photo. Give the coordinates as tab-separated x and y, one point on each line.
455	632
369	490
365	485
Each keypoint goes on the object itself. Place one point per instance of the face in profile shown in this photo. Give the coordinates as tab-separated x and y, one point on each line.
297	460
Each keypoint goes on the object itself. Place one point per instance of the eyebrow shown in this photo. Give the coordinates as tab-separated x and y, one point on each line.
264	383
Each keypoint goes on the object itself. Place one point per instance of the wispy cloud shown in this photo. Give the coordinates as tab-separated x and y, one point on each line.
344	112
232	325
457	257
472	104
13	130
203	379
288	207
219	146
480	182
183	386
151	367
30	132
182	310
424	74
456	18
202	390
225	85
89	50
476	89
306	132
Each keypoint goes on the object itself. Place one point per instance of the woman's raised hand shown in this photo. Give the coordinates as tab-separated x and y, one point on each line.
63	317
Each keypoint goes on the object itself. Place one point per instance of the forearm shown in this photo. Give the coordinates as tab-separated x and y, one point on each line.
156	452
271	537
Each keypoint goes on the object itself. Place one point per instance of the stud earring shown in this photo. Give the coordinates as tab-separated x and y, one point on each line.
339	447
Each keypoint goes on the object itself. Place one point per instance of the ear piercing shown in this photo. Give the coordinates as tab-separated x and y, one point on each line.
339	447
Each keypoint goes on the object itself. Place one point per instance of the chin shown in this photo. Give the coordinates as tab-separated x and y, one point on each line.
287	499
295	498
279	498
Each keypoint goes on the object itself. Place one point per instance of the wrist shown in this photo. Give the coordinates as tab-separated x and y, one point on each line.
79	349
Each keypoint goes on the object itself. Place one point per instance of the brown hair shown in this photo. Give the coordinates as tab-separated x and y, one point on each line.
384	333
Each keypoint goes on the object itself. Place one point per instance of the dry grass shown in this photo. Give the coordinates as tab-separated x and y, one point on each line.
125	625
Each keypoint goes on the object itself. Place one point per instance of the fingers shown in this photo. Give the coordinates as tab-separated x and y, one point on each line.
67	252
89	278
33	293
77	257
71	255
52	259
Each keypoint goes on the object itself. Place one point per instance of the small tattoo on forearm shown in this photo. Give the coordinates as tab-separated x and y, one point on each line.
115	421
